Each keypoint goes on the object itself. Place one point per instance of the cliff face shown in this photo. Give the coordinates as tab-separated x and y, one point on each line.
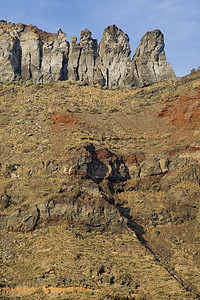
150	60
29	53
114	54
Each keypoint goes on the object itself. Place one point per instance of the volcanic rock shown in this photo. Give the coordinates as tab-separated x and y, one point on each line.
27	52
114	52
149	60
89	53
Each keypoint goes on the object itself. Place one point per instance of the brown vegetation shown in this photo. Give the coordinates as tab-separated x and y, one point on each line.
99	193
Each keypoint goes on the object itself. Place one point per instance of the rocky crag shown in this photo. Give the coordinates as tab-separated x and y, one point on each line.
27	52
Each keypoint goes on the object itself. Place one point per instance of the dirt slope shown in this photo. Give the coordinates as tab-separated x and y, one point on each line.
99	192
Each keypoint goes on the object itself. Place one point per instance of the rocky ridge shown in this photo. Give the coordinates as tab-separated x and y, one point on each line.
29	53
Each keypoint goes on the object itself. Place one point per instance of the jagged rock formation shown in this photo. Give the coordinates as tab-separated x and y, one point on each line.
89	53
114	54
150	60
29	53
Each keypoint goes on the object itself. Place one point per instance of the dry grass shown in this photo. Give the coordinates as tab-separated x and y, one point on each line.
34	151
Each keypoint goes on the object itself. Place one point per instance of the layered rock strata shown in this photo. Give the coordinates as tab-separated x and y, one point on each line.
88	196
27	52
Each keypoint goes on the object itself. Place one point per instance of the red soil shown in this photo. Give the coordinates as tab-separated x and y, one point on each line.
183	109
61	118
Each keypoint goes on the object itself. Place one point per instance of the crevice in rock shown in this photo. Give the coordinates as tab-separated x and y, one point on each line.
139	232
40	45
64	70
38	218
107	76
16	58
29	67
78	62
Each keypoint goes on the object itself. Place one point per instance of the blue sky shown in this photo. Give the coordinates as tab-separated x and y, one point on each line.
179	21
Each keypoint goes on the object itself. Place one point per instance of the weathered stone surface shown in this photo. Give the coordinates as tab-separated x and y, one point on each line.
150	168
30	59
43	60
90	164
92	212
74	57
23	220
89	53
5	201
55	59
10	54
164	164
149	61
114	52
29	53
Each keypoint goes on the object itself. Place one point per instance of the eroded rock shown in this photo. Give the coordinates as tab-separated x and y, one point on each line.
149	60
114	53
89	53
32	54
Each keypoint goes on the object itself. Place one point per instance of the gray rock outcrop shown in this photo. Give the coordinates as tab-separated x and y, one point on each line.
114	55
10	54
27	52
93	211
149	60
74	57
89	54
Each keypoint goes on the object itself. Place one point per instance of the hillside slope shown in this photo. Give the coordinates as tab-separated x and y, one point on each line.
99	192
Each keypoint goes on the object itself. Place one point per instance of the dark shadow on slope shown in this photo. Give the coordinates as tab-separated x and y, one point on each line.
134	226
97	170
139	231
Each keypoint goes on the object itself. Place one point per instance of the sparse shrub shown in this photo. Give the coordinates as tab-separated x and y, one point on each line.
5	120
49	122
181	140
168	143
141	104
197	133
167	136
193	71
94	111
158	145
113	110
30	149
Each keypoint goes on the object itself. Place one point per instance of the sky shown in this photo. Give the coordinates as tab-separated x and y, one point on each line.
178	20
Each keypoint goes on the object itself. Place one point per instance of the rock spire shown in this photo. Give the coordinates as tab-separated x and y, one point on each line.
27	52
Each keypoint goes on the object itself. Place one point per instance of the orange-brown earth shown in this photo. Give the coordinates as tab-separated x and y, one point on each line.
183	109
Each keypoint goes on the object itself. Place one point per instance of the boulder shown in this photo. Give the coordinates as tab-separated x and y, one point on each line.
150	168
23	220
